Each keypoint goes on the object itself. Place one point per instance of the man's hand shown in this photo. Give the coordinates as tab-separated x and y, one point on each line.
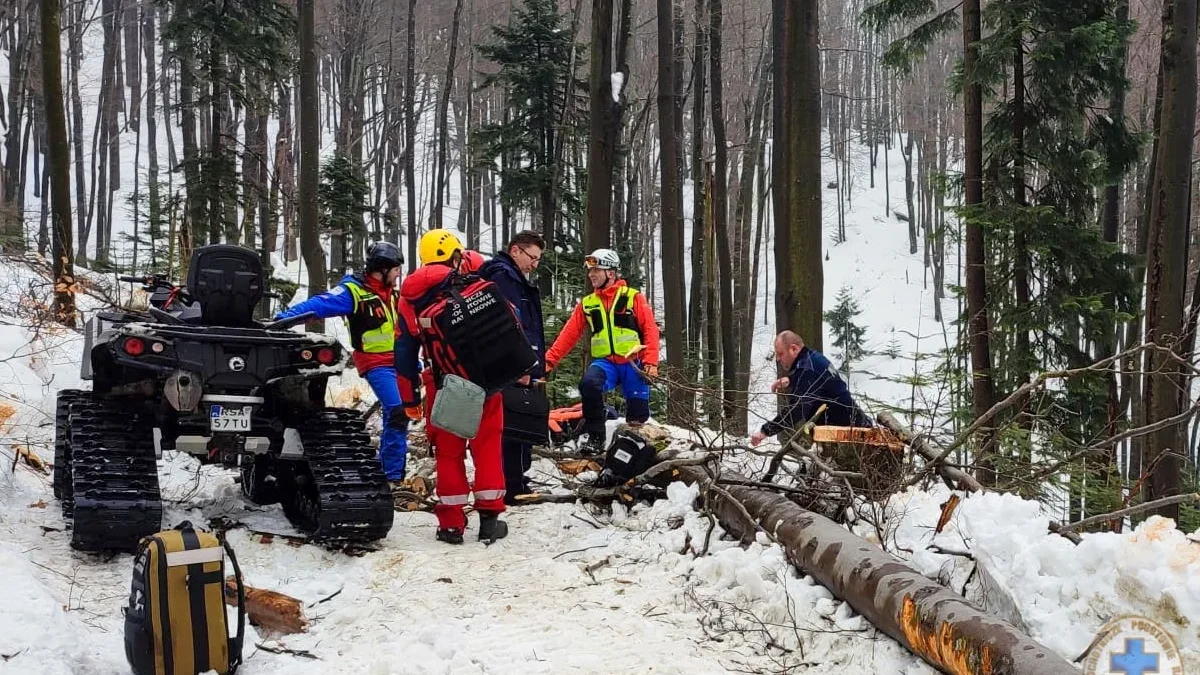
524	381
757	437
780	385
651	370
414	412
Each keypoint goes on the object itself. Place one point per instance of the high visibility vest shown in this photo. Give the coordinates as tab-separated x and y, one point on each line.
614	331
372	323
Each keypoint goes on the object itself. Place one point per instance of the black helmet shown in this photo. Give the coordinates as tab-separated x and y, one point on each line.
383	256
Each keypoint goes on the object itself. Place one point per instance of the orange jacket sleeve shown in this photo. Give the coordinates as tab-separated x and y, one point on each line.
567	337
650	335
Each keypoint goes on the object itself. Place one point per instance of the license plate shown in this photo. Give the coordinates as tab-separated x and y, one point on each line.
226	418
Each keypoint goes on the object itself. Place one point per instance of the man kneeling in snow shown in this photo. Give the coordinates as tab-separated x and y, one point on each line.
810	382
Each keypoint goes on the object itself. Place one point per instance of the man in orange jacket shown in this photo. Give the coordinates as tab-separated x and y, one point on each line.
624	341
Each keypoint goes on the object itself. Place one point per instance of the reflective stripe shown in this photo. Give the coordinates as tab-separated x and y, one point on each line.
199	555
488	494
455	500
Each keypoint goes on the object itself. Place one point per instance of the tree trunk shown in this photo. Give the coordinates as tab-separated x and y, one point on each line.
696	305
1166	272
935	623
983	393
680	400
310	157
721	213
442	115
796	171
601	150
59	160
75	59
410	132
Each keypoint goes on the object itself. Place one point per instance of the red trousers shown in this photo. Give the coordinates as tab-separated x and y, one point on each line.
450	454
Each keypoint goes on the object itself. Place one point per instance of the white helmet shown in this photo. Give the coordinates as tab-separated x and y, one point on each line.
603	258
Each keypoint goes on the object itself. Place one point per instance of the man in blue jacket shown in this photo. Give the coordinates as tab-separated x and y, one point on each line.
810	382
509	270
368	301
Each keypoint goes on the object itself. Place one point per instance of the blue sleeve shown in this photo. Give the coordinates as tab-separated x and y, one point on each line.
337	301
802	400
408	366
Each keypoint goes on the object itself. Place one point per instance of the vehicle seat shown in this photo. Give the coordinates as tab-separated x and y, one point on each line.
227	282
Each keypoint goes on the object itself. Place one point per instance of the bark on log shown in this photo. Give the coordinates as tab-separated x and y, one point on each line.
934	623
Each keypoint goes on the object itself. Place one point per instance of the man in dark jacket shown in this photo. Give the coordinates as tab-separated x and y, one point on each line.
810	382
510	270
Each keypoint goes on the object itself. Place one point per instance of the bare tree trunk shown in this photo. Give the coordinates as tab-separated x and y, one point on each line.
59	159
283	194
983	392
696	306
20	60
75	59
680	401
1166	272
310	149
410	132
796	169
601	150
721	211
439	184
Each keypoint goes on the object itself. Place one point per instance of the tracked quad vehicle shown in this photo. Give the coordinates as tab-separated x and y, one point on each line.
196	373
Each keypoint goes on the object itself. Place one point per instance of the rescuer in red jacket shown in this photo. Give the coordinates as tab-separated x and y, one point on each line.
442	253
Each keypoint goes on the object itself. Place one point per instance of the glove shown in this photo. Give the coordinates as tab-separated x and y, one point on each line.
651	370
414	412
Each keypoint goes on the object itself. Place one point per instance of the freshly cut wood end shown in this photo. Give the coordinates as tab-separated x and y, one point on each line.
270	610
872	436
574	467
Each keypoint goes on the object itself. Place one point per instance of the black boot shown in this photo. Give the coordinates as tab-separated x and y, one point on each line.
450	535
596	436
491	527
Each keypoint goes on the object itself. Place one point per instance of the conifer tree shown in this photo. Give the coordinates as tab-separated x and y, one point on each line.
848	336
533	53
343	195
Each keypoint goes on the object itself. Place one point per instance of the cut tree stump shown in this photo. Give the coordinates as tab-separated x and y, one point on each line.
875	453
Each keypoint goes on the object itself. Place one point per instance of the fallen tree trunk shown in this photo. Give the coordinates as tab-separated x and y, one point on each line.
939	626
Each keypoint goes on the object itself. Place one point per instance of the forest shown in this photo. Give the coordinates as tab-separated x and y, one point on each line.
1048	151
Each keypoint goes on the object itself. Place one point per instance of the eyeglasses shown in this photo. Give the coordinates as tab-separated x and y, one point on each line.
535	259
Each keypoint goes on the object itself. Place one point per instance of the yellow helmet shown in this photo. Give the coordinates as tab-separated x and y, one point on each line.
438	246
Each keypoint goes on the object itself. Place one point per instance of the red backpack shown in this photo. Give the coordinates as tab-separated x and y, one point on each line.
470	329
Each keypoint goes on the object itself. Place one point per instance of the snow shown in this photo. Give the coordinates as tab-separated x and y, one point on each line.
618	81
573	589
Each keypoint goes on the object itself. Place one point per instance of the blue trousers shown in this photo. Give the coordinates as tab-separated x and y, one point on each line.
603	376
393	442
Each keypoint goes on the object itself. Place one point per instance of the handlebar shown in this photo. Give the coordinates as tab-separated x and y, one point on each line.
284	324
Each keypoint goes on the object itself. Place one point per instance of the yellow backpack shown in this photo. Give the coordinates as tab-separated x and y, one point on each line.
175	622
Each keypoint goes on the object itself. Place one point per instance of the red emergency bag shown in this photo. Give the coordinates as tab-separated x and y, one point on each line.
471	330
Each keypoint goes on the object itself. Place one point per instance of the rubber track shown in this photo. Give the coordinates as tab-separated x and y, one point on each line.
338	495
114	476
62	449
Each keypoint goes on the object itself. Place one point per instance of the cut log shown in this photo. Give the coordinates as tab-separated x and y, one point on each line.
876	454
927	450
934	623
272	611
